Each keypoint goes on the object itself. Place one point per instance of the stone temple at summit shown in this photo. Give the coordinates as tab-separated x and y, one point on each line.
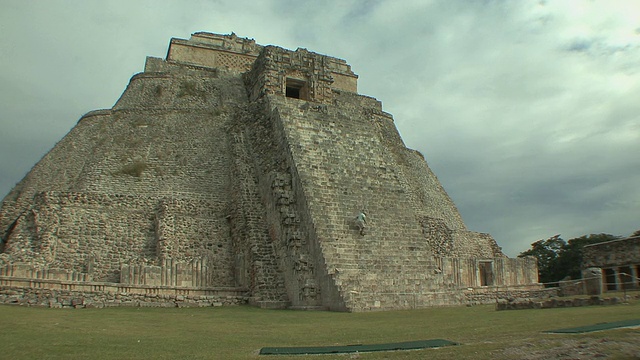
232	173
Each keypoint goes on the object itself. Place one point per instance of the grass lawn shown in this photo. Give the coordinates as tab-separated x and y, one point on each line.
239	332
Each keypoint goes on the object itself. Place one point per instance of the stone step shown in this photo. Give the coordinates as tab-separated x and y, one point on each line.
381	265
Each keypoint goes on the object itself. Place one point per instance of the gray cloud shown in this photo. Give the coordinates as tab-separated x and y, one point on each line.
527	111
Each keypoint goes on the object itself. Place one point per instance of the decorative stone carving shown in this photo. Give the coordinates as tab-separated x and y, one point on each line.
309	291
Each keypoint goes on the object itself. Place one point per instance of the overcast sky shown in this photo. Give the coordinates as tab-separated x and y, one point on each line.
527	111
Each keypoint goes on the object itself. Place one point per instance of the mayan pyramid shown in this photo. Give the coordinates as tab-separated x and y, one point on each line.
232	166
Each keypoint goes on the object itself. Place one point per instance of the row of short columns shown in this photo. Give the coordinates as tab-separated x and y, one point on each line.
624	278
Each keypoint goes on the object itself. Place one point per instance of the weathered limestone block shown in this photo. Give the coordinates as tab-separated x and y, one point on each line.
592	278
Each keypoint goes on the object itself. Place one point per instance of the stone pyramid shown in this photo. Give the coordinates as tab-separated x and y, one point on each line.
238	169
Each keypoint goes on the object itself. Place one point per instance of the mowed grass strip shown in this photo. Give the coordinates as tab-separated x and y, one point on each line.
240	332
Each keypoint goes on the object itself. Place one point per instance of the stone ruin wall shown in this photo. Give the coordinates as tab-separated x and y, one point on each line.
313	74
165	138
21	285
612	253
214	51
84	233
615	264
256	195
290	230
257	262
98	234
319	139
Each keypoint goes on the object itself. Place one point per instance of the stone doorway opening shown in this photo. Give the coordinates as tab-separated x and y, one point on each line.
626	278
297	89
610	279
486	273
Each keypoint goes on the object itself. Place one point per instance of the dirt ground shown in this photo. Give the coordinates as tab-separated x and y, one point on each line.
583	348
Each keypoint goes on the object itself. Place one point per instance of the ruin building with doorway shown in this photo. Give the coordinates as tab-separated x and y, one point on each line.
616	263
231	172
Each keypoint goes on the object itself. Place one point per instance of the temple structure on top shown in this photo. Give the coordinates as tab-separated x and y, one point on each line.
236	168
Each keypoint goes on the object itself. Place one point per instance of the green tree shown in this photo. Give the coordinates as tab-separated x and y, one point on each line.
547	253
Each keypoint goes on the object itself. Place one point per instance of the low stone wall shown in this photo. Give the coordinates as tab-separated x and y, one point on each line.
520	304
492	294
571	287
68	294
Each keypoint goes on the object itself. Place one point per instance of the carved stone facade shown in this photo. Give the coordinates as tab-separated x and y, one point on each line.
235	166
617	260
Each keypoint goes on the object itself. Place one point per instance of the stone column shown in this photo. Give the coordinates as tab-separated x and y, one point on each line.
616	276
634	274
592	281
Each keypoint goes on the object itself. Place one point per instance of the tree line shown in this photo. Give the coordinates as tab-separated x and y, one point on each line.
559	259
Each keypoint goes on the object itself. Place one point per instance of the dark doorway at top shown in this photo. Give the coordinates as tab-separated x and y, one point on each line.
297	89
293	92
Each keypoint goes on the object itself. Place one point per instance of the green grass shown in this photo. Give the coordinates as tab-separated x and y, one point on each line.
239	332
